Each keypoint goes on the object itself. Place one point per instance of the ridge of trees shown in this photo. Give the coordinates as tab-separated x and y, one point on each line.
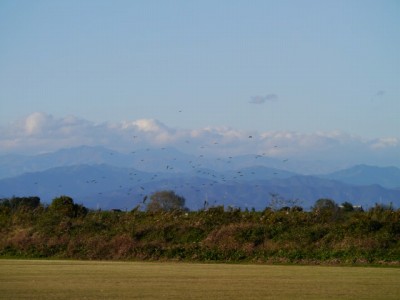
166	230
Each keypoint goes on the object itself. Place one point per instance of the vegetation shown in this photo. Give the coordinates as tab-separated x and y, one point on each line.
329	234
47	279
166	201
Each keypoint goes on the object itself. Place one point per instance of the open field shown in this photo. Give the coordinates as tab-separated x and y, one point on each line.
45	279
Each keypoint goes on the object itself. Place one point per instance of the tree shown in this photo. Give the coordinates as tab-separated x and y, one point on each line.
347	206
325	205
166	201
327	210
65	206
15	203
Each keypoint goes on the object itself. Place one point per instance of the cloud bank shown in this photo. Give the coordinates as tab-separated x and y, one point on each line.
41	132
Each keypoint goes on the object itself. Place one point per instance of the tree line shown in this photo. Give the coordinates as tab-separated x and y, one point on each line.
162	228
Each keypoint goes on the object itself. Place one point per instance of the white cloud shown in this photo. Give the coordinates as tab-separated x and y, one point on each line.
149	125
383	143
149	130
34	123
40	132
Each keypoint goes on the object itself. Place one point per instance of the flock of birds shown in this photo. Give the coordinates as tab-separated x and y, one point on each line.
194	178
171	178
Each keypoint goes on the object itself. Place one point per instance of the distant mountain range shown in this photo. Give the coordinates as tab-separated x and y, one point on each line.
388	177
101	178
148	159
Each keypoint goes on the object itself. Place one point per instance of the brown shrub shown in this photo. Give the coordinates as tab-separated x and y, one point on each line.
122	246
226	237
20	239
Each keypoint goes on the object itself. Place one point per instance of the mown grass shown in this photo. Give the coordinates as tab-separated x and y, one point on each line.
53	279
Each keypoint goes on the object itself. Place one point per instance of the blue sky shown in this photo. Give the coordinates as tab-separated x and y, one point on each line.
298	66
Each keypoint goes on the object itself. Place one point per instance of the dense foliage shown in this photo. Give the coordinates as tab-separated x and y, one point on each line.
166	201
327	234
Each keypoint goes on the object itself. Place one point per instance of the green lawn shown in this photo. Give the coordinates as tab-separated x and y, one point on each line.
53	279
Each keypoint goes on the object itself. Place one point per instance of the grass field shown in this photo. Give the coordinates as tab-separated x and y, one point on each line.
45	279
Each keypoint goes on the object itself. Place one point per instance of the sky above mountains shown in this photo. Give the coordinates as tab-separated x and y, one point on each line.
311	79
